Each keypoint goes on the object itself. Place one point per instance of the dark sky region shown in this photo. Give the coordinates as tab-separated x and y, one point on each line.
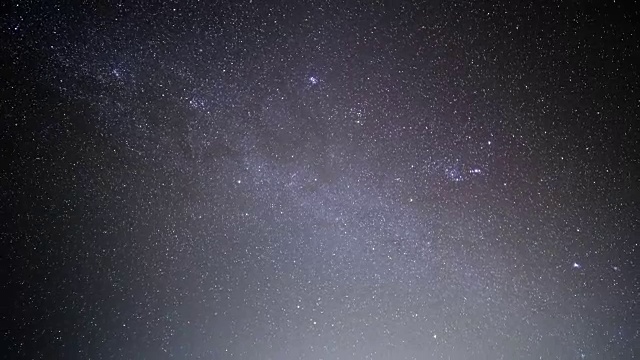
319	180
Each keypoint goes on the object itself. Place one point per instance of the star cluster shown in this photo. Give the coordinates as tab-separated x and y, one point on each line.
321	180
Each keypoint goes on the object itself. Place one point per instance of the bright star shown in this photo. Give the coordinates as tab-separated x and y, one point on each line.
313	80
576	265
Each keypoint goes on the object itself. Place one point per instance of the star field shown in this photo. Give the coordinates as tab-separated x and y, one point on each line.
320	180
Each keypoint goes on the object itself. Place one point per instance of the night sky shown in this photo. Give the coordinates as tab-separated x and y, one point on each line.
319	180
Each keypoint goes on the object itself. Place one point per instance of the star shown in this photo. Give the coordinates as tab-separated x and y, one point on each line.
116	72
